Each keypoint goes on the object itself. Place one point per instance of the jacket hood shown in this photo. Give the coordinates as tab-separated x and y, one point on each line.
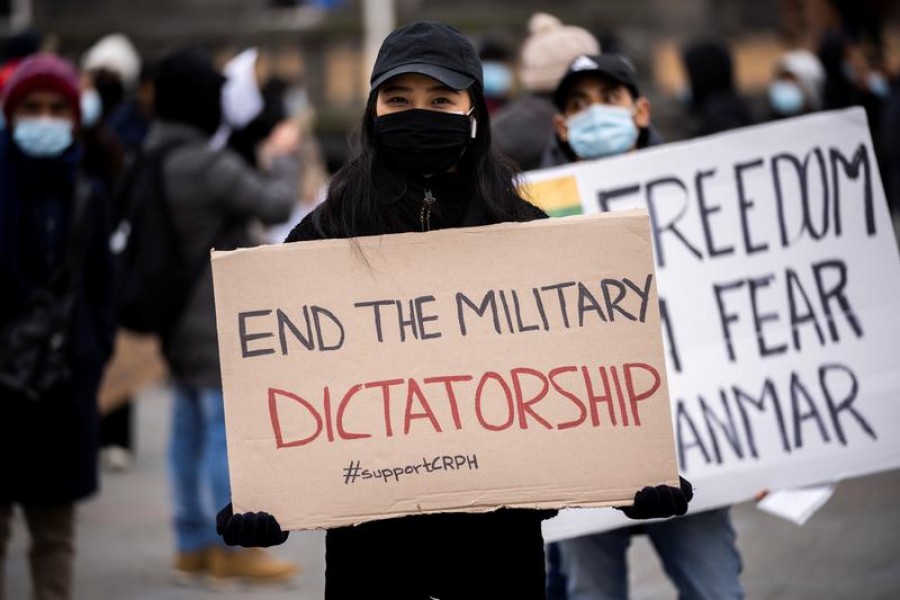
189	90
807	69
709	69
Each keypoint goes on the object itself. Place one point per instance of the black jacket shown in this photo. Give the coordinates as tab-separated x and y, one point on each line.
521	129
890	141
450	556
48	448
216	197
716	104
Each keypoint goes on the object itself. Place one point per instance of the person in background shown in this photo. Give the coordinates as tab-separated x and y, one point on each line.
712	98
114	65
600	128
314	171
602	113
522	128
496	59
425	162
54	221
890	142
20	46
256	118
797	85
216	197
110	70
252	110
130	120
851	80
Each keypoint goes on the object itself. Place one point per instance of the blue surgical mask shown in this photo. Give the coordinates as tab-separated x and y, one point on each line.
879	86
497	78
43	137
91	107
602	130
786	98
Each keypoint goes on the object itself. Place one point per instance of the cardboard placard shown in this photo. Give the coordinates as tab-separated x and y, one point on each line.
518	364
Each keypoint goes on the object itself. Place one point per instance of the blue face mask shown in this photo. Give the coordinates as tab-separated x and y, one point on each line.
42	137
786	98
497	78
601	130
879	86
91	107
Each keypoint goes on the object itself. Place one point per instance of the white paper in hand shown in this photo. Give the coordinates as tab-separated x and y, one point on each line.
797	505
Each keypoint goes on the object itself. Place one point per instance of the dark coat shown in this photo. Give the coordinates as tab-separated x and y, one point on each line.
890	141
216	199
129	124
714	100
521	129
450	556
48	448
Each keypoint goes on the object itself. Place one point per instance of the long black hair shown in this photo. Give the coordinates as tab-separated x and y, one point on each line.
351	208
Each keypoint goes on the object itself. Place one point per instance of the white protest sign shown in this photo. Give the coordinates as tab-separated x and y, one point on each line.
779	286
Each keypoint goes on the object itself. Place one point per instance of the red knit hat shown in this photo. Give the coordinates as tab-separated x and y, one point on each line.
42	71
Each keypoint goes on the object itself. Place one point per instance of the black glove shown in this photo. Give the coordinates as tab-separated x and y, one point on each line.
660	502
250	529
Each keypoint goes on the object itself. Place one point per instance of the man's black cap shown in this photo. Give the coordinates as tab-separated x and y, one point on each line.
612	66
433	49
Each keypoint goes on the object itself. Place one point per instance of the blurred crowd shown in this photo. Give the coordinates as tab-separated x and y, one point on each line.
233	150
88	148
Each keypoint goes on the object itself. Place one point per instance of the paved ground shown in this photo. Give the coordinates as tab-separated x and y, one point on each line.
849	549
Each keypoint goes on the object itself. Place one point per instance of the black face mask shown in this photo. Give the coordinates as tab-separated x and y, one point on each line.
422	142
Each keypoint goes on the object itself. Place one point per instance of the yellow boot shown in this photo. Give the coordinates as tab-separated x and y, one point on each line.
189	566
253	565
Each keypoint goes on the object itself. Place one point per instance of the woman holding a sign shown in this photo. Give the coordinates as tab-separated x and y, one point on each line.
425	162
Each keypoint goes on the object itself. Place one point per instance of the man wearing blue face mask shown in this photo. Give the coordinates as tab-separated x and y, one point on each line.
56	277
601	114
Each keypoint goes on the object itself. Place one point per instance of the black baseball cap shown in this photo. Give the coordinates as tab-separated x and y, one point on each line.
613	66
429	48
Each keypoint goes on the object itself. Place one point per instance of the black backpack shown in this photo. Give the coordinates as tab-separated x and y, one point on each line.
154	276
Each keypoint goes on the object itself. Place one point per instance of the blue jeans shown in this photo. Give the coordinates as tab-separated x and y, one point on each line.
698	553
198	465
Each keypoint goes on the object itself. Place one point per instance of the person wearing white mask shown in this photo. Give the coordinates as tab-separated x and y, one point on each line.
603	114
797	85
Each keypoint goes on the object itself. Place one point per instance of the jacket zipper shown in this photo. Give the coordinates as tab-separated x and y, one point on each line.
425	213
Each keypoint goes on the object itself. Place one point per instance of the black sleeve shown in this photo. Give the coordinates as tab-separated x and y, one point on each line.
304	231
530	212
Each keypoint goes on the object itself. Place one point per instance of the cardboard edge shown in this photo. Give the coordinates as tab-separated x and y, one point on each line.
417	237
